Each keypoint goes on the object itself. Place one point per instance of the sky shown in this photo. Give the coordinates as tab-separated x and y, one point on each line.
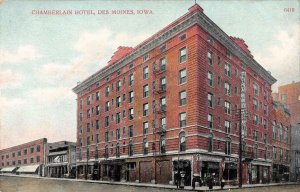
42	57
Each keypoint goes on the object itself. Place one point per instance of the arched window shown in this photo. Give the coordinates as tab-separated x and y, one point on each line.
130	149
118	150
228	146
210	143
162	144
182	142
146	146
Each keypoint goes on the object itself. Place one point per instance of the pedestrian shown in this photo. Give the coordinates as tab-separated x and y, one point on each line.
222	183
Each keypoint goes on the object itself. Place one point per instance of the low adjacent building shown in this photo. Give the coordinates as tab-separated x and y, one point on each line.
27	158
281	142
61	159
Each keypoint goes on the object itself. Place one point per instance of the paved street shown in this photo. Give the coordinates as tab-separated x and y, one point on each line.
23	184
17	184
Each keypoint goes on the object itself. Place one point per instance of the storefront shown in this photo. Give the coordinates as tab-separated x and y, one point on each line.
111	170
230	172
210	169
30	169
182	167
9	170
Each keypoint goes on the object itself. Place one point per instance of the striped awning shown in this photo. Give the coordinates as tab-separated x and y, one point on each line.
28	169
8	169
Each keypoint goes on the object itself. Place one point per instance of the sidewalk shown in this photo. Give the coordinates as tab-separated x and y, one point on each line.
187	188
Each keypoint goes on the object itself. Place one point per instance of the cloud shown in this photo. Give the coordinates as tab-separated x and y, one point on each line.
51	95
8	79
24	52
94	50
282	57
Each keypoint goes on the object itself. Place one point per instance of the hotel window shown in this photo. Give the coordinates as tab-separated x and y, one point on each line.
255	120
146	109
38	159
97	110
163	48
182	76
210	78
228	146
88	142
210	97
106	91
163	123
80	104
25	161
146	146
118	134
210	57
182	55
265	123
255	135
80	116
210	120
31	160
19	163
97	95
145	127
163	104
265	138
227	88
106	136
119	85
255	104
162	144
131	114
182	142
38	148
107	106
182	119
274	130
163	83
265	109
13	154
97	138
146	57
182	98
280	132
130	148
227	127
106	121
227	69
146	90
118	103
88	113
31	151
118	117
118	150
131	96
88	100
256	89
210	143
106	154
227	107
219	60
88	127
162	64
130	130
274	153
131	79
146	72
25	152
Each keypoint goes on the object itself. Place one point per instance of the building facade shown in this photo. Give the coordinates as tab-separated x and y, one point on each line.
61	159
281	142
27	158
175	104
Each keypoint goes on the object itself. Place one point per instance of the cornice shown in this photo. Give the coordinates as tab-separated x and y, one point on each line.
196	18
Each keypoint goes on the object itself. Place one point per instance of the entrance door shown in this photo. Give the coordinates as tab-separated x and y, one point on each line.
163	172
145	172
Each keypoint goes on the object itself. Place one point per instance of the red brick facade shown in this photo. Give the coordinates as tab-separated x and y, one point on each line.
25	154
203	69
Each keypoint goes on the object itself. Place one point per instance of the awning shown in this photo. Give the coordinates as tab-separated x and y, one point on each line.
8	169
58	153
28	169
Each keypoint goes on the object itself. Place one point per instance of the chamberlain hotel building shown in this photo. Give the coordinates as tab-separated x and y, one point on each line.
172	104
